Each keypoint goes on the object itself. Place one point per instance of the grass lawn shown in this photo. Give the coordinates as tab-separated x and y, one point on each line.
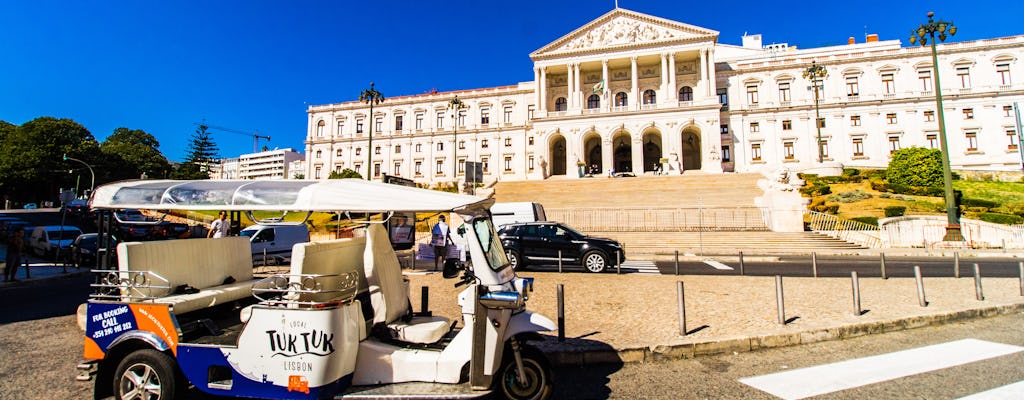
1001	192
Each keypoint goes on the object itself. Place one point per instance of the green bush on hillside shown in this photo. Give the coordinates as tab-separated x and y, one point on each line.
997	218
873	221
972	202
895	211
915	167
850	197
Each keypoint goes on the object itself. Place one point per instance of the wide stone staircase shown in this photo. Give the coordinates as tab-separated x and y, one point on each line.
692	213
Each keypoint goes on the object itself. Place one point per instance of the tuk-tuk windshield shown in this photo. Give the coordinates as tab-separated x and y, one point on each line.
490	244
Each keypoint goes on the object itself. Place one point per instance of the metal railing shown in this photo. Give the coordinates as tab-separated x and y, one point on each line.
662	219
843	229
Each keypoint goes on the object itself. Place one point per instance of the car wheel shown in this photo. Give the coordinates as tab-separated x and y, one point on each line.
145	375
538	384
517	262
595	261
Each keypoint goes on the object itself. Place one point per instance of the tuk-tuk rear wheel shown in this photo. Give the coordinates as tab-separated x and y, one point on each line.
538	383
145	375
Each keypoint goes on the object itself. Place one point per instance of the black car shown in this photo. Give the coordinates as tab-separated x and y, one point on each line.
540	242
85	247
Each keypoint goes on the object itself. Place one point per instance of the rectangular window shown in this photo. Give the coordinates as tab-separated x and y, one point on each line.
821	88
462	166
398	168
529	163
337	168
376	170
418	168
1012	135
963	74
723	97
972	141
359	126
398	122
419	121
376	150
752	94
462	118
1007	111
485	116
379	125
440	146
440	120
890	118
484	144
316	173
821	123
439	167
787	125
359	151
723	129
507	117
529	112
419	147
889	82
968	113
824	148
894	143
755	151
462	145
359	168
858	147
855	120
925	77
337	153
508	142
486	164
784	92
929	116
852	88
508	163
1004	73
398	149
755	127
341	128
530	140
726	154
933	141
787	148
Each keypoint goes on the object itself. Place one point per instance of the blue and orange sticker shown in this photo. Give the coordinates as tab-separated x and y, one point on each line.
105	322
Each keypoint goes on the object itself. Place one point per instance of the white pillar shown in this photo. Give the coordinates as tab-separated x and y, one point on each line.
537	84
543	105
634	88
569	86
607	155
663	96
577	95
673	86
606	96
712	84
702	83
637	150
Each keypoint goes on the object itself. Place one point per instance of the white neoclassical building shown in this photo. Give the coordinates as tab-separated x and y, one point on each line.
630	92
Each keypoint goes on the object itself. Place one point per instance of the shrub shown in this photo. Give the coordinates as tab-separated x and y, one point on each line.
873	221
895	211
885	195
973	202
997	218
851	172
915	166
850	197
816	189
832	209
1011	208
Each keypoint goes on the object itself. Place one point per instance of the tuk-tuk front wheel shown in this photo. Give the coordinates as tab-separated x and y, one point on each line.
145	375
538	383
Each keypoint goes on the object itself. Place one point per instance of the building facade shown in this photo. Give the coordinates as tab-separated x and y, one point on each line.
630	92
270	164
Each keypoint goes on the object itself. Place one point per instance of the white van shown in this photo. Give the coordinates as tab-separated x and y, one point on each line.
276	240
45	239
508	213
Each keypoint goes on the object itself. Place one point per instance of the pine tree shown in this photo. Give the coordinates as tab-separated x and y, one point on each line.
201	149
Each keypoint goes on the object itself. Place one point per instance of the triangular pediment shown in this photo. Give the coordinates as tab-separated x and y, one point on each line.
621	28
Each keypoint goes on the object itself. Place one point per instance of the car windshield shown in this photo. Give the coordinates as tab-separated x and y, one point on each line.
63	235
571	231
248	232
87	241
489	242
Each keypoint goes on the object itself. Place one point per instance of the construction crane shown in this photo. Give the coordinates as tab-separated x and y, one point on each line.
255	134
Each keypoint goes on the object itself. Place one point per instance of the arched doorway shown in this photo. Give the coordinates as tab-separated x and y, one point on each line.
652	150
691	149
592	153
622	152
557	147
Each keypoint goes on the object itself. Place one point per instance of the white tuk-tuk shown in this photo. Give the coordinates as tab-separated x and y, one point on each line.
339	324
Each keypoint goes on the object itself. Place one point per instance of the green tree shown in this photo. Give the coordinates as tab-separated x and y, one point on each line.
345	173
32	167
915	166
128	153
201	149
372	97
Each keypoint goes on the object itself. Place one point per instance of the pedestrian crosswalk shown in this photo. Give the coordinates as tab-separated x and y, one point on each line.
628	267
834	377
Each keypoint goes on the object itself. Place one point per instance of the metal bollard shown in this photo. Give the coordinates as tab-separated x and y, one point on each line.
856	293
681	296
978	293
1021	266
920	287
28	271
413	263
956	265
882	258
677	262
779	300
559	261
561	312
265	257
814	264
424	299
742	272
618	262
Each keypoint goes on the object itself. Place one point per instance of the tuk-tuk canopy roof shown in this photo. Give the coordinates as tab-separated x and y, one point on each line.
332	195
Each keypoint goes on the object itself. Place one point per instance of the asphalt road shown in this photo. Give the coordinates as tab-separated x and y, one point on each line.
840	266
718	377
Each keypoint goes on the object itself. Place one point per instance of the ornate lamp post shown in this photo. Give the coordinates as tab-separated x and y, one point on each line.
924	34
92	174
816	73
455	105
372	97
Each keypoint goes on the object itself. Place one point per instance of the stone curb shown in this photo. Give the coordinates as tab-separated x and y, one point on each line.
582	357
39	281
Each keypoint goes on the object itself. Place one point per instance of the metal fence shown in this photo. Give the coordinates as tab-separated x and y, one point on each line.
844	229
667	219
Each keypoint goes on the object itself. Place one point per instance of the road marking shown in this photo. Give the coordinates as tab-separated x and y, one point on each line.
641	267
1011	391
717	265
828	378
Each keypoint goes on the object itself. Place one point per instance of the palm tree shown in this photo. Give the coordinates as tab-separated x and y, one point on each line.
455	105
372	97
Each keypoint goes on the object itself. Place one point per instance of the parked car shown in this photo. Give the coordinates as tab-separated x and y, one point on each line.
541	242
30	206
85	249
170	230
276	240
45	240
76	207
130	216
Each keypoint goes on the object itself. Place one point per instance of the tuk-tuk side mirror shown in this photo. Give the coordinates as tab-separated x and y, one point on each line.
461	230
451	268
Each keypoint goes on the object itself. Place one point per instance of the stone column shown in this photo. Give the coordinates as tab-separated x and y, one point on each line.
635	87
537	85
637	150
577	95
673	86
702	83
607	155
569	82
543	105
606	96
712	84
664	97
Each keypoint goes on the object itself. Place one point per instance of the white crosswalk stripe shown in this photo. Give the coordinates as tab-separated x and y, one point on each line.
717	265
1011	391
828	378
628	267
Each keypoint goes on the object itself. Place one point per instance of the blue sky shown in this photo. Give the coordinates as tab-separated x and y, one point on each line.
162	66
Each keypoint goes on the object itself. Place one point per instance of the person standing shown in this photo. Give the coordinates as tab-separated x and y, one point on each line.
219	227
15	246
440	236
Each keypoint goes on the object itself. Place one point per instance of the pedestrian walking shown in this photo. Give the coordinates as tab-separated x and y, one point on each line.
440	237
15	246
219	227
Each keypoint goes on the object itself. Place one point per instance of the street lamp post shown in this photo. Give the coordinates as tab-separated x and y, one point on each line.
372	97
456	106
924	34
816	73
91	173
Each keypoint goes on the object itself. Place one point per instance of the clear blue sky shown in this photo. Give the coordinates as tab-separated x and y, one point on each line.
161	66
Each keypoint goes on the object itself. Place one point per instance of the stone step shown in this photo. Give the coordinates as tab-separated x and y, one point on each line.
724	242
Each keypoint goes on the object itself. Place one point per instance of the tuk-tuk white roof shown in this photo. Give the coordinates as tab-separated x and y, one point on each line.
332	195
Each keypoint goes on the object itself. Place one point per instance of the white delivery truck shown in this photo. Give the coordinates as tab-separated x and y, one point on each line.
509	213
275	240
